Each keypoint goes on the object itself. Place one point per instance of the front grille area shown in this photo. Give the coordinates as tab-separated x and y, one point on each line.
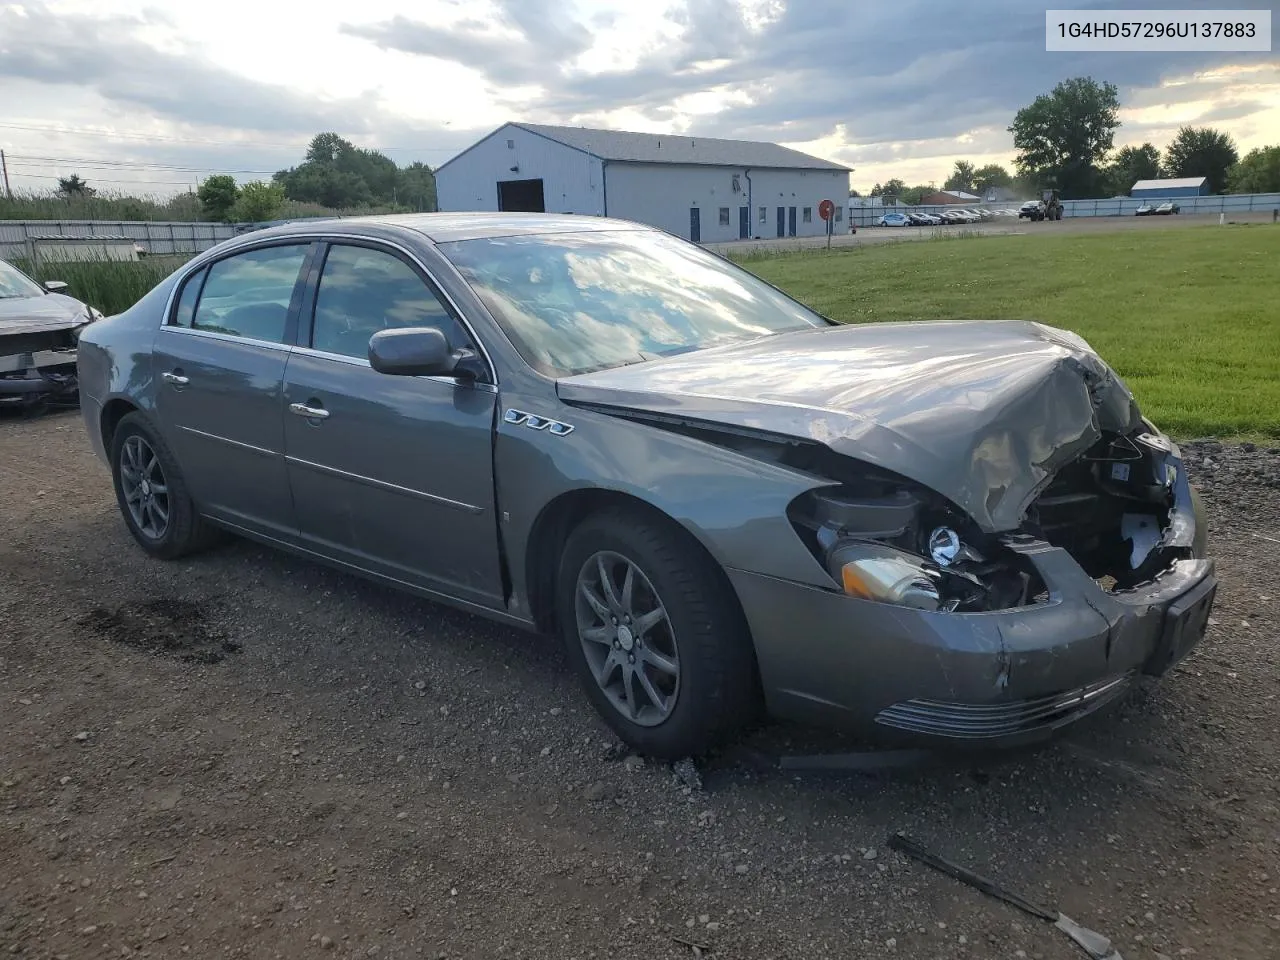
964	721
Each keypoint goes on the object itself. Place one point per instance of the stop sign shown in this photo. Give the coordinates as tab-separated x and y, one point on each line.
825	209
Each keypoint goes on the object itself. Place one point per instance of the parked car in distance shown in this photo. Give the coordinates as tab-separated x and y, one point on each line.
1166	208
1145	210
591	428
39	327
894	220
1032	210
922	219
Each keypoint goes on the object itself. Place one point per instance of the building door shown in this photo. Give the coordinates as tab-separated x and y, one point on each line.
782	221
695	224
791	221
523	196
744	223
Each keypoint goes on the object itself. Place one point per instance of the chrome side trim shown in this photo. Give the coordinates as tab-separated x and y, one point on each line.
361	362
235	443
200	261
384	485
226	337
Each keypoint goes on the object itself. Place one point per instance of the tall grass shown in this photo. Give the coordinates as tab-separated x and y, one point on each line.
105	206
111	286
184	207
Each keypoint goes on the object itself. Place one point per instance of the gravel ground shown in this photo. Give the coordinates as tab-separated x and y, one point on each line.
247	755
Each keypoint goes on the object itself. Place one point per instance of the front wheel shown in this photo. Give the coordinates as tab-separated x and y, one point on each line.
658	640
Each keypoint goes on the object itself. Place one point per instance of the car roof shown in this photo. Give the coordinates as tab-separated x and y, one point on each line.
447	227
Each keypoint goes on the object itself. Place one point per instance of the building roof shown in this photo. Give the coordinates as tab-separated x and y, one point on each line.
956	196
1172	184
621	145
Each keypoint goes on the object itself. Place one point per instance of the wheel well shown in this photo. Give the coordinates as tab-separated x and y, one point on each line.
112	414
552	528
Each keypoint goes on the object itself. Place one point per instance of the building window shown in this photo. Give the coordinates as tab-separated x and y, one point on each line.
838	211
764	214
808	214
511	144
724	216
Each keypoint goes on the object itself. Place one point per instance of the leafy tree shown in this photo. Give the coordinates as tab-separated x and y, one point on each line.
218	195
854	193
961	177
1132	164
416	188
1258	172
913	195
73	186
1062	137
258	201
890	188
1202	152
992	175
337	173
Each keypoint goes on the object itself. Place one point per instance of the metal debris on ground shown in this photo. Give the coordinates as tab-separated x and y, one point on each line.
1095	944
698	948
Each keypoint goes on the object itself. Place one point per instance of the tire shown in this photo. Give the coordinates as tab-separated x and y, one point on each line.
182	532
714	692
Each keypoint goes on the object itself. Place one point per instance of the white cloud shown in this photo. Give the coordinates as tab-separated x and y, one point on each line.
241	85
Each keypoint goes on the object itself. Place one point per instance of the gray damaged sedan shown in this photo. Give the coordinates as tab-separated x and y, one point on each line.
724	503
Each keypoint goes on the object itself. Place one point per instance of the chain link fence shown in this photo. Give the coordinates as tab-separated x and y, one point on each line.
1111	207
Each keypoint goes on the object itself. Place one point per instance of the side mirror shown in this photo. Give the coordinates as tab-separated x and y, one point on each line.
415	352
55	286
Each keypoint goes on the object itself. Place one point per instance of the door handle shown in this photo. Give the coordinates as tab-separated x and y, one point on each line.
311	413
176	378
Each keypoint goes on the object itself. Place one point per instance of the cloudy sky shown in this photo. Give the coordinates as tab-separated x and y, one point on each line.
150	96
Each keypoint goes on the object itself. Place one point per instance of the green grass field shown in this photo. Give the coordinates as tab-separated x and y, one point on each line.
1190	317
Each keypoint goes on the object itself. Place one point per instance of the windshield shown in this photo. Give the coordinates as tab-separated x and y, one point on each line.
573	303
13	283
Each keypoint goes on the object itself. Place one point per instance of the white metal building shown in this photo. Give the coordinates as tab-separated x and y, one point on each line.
705	189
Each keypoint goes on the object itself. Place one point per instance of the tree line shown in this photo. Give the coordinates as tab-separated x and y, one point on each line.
334	173
1064	141
335	176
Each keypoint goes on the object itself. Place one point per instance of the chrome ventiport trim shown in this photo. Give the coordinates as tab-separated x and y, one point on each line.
535	422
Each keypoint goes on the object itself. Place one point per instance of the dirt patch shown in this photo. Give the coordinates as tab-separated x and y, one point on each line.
172	628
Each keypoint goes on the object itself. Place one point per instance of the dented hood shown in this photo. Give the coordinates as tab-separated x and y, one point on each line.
981	412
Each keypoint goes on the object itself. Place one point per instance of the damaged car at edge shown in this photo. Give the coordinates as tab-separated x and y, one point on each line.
723	502
39	328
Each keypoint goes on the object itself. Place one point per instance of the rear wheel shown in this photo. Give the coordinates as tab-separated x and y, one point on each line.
152	493
655	634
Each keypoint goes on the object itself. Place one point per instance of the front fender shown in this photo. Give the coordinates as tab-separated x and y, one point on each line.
733	504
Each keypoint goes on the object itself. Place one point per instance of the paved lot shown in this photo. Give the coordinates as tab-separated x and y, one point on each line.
246	755
1072	225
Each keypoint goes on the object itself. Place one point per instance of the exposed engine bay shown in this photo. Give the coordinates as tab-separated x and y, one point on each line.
1113	509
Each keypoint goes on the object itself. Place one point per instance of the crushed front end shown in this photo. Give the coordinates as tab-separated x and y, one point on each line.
948	632
38	365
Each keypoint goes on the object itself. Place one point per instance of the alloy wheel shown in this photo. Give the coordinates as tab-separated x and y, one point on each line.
146	492
627	638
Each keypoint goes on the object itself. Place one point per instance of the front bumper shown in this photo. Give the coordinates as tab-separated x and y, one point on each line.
994	678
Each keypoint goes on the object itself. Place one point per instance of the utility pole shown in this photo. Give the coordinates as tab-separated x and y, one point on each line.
4	167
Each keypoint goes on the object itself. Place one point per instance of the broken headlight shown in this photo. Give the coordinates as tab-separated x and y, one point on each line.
873	571
894	544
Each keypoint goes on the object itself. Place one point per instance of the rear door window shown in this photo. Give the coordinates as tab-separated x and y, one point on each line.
248	294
